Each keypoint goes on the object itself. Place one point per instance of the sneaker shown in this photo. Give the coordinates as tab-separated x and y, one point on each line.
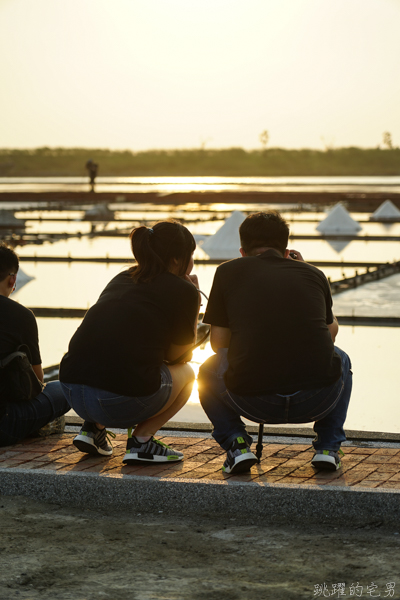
93	440
239	457
327	459
56	426
152	451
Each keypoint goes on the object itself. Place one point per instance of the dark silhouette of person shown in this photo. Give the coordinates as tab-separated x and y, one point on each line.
92	168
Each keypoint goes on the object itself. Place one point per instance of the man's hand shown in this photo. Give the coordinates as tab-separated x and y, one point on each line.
333	328
295	255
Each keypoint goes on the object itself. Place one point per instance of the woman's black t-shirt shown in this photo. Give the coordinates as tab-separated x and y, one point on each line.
123	339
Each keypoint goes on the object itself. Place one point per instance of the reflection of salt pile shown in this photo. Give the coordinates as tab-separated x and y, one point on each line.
225	243
339	222
22	279
386	212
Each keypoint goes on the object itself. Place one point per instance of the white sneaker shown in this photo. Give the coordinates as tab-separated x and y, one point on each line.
327	459
239	457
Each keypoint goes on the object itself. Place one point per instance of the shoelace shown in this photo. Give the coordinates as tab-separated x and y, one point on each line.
160	443
104	435
152	439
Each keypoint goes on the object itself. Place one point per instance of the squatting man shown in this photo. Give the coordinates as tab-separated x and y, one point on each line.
273	332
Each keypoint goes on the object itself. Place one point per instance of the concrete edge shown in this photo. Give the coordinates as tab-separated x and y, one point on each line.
270	502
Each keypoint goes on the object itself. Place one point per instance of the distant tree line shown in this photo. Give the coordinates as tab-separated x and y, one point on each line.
42	162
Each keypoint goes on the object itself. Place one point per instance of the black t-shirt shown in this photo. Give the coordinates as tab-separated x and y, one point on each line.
123	339
17	326
277	310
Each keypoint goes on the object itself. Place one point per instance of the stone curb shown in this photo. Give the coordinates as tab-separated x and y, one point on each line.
271	502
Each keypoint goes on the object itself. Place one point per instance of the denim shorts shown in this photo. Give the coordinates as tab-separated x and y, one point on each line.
112	410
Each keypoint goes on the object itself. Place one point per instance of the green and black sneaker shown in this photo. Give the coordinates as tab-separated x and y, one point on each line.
239	457
153	451
329	460
93	440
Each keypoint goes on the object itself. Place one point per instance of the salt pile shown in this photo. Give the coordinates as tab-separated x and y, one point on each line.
22	279
339	222
386	212
100	212
9	221
225	243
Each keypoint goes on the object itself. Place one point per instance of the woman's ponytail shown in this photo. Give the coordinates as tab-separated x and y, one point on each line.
155	248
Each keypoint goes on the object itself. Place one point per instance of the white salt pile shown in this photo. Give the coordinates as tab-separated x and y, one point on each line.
225	243
339	221
100	212
8	220
22	279
386	212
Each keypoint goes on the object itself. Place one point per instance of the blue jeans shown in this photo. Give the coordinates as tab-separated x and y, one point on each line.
26	418
113	410
326	406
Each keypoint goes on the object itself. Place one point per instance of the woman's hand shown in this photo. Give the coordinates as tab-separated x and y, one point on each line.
193	279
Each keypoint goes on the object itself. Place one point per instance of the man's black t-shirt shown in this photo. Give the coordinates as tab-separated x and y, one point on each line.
17	326
277	310
123	339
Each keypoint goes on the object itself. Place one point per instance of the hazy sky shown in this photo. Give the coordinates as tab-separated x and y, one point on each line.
144	74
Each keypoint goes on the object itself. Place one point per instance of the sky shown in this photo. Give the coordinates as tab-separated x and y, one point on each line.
160	74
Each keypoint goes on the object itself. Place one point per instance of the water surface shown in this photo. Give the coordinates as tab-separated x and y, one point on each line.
373	350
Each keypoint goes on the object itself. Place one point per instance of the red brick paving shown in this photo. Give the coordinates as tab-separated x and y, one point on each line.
281	463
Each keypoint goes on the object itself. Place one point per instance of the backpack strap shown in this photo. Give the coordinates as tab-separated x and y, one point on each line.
6	361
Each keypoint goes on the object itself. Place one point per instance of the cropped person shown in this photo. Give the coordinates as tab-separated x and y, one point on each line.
114	373
20	419
273	332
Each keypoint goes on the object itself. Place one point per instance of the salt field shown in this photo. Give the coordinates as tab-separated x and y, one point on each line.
373	350
172	184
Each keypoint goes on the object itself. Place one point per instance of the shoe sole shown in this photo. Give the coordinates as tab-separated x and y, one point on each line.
242	465
326	464
81	442
156	459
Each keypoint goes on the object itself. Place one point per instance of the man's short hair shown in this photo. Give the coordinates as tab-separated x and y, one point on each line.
9	262
264	230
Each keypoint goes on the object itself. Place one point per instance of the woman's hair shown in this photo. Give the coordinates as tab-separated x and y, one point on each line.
9	262
155	248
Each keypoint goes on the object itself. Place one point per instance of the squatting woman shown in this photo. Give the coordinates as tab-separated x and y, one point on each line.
116	372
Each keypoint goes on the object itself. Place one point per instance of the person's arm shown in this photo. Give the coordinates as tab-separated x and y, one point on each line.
331	321
220	337
176	350
30	336
333	328
38	370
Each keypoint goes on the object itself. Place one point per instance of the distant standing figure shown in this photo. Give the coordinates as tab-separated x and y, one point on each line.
92	168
